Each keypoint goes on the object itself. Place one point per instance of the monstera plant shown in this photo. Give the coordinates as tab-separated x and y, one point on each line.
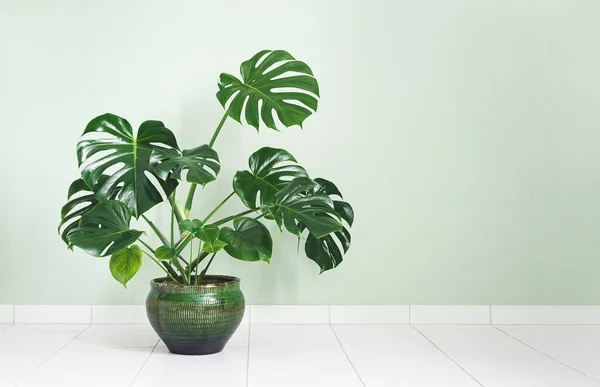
125	174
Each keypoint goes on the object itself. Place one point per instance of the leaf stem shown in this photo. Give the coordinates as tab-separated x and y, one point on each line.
189	200
217	208
203	272
218	130
158	233
172	223
159	265
176	208
230	218
190	197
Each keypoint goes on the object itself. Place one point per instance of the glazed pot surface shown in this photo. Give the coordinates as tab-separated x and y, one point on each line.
196	319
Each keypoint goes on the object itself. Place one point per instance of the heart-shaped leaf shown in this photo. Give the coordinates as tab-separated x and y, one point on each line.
125	263
249	240
300	202
190	225
209	234
104	229
258	84
117	148
201	163
271	169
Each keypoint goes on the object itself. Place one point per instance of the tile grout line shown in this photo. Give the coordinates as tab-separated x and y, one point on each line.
546	355
448	356
145	362
347	357
490	313
51	356
248	350
7	326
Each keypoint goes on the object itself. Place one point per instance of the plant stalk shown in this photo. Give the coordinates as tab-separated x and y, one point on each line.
190	197
159	265
203	272
177	208
217	208
158	233
232	217
173	221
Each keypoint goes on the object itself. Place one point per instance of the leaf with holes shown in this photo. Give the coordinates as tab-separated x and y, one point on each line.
76	207
325	251
299	202
104	229
248	240
125	263
201	163
261	81
271	169
118	149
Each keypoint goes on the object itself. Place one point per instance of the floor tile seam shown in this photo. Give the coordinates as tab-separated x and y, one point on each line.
546	355
447	355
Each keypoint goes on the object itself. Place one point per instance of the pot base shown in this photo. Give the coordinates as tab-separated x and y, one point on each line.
206	347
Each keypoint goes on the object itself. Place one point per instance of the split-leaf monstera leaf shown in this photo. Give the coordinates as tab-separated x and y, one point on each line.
258	83
201	163
300	202
117	148
104	229
271	169
325	252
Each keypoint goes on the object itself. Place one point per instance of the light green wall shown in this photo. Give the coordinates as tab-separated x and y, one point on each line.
465	134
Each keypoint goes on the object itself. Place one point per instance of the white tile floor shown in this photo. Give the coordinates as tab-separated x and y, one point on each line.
64	355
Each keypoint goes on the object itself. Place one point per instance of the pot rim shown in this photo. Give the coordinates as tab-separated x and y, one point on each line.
226	280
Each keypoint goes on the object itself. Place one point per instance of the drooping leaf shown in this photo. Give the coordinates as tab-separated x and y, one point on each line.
201	163
248	240
299	202
76	207
209	234
325	251
271	169
104	229
130	156
258	84
164	253
125	263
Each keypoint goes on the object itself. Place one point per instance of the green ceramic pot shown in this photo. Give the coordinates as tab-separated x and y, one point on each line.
196	319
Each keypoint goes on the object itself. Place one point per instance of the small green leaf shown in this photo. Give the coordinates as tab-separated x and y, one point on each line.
208	233
249	240
190	225
125	263
213	247
164	253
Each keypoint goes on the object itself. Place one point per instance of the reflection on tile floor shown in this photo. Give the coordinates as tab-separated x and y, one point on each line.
64	355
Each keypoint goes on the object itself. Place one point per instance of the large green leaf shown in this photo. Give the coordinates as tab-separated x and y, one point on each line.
201	163
300	202
104	229
125	263
249	240
257	84
326	251
117	148
271	169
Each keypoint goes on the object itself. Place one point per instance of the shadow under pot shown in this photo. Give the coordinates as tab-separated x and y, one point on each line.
196	319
